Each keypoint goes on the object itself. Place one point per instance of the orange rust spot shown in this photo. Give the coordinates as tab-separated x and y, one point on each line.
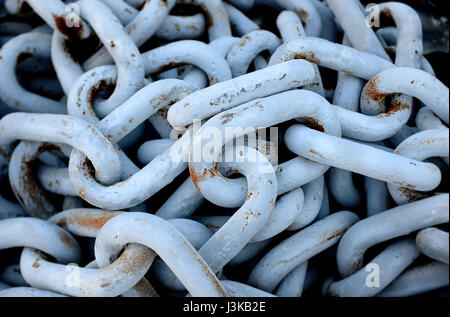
232	171
82	194
168	66
95	222
302	13
194	177
395	107
413	195
62	222
372	90
214	171
129	264
66	239
197	178
334	234
314	123
309	56
96	89
245	40
315	153
36	264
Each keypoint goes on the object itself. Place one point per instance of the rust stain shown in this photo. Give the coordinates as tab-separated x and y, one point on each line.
168	66
413	195
432	140
309	56
66	239
302	13
227	117
32	192
68	32
391	52
212	226
326	237
84	221
96	89
128	265
373	92
207	270
244	40
395	107
314	123
316	153
163	112
194	177
208	16
82	194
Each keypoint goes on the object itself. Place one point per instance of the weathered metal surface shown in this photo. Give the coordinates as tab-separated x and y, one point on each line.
176	140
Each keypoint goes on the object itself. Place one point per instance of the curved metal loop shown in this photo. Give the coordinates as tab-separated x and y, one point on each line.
41	235
355	285
139	29
418	280
389	224
128	60
33	199
300	247
187	52
413	82
433	243
260	113
12	94
198	279
420	146
253	214
176	28
225	95
248	47
310	16
62	129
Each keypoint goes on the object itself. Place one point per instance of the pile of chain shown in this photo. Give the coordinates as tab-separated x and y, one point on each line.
120	176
